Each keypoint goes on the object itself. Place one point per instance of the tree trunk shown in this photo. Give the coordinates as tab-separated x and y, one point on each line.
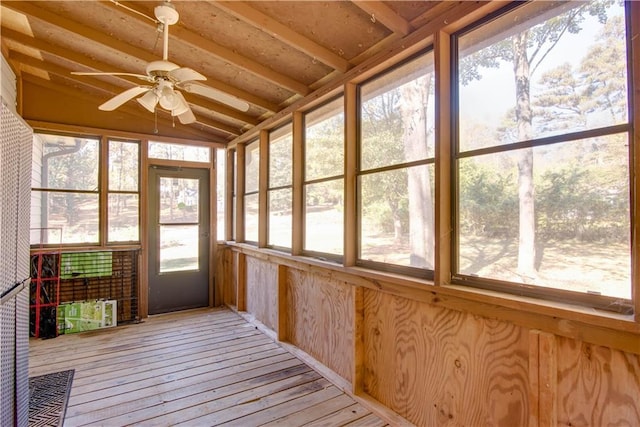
415	97
526	229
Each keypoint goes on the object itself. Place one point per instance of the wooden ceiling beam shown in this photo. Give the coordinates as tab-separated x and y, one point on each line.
249	15
106	87
82	30
382	13
209	104
216	125
187	36
96	65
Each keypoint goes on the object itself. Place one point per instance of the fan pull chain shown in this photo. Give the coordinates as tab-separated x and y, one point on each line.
155	117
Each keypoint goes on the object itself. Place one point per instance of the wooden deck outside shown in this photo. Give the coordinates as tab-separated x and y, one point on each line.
199	368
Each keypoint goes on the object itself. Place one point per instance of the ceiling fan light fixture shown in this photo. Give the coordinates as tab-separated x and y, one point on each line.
168	99
181	108
149	100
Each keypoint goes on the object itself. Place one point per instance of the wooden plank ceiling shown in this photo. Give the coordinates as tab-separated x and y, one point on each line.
268	54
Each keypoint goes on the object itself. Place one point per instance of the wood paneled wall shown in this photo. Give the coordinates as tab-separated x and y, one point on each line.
320	315
262	291
432	365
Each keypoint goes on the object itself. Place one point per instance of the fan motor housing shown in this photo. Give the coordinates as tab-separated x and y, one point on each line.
166	13
160	68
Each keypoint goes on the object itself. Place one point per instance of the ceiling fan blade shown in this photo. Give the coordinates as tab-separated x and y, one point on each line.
123	97
187	117
216	95
185	74
140	76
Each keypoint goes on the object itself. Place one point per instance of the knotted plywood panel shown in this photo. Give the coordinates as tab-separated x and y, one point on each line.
320	319
597	385
262	291
437	366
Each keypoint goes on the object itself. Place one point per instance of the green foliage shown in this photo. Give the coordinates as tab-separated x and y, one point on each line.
72	167
324	148
541	39
577	98
385	200
488	201
574	203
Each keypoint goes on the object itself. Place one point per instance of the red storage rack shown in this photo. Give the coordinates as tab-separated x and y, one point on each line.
44	295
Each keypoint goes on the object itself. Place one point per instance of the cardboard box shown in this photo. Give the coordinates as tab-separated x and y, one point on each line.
86	316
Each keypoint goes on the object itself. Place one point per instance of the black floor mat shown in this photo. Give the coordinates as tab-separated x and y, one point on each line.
48	395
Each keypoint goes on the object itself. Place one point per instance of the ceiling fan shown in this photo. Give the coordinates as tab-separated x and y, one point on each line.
166	77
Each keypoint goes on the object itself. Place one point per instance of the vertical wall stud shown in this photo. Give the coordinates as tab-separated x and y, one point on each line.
240	174
241	286
634	7
542	379
283	331
357	376
298	192
350	178
263	185
443	226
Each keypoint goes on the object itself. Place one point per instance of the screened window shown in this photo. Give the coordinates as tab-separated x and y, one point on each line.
65	197
280	192
65	189
324	179
543	152
221	179
396	168
234	192
251	187
123	196
183	152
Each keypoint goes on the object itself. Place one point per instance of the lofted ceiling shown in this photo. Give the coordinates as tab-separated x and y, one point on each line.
268	54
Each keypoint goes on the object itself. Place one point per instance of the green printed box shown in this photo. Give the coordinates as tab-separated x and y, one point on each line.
87	316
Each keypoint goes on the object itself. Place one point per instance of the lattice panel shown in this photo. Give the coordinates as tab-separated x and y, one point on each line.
15	170
22	269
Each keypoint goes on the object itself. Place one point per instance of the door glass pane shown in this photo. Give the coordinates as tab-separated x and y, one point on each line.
178	248
178	200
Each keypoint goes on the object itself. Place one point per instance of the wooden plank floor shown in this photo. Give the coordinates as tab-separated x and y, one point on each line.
198	368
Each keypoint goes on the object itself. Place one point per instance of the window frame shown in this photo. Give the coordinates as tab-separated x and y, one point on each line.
102	190
246	193
125	192
338	258
421	273
538	292
270	188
